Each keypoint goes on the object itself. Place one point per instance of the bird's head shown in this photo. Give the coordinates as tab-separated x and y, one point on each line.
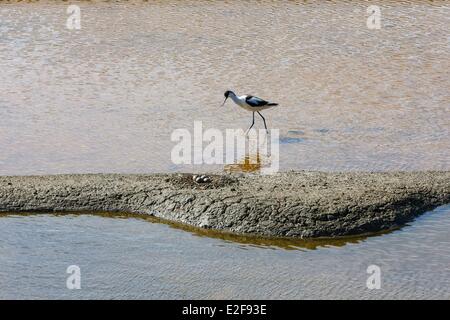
227	94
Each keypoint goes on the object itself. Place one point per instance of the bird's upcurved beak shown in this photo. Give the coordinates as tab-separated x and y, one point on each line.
224	101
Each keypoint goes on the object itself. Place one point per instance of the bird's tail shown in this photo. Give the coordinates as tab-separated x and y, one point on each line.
272	104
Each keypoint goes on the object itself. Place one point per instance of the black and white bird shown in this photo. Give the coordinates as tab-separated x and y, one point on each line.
250	103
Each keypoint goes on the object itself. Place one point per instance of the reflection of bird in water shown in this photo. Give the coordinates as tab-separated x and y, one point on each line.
250	103
250	163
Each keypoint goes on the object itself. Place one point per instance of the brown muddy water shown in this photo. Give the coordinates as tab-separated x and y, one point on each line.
106	98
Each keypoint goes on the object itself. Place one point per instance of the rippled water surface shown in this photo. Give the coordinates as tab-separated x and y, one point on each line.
134	258
107	97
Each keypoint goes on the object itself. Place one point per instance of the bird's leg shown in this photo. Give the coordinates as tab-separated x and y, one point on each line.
253	122
265	126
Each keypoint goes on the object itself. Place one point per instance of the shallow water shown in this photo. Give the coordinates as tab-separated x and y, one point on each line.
107	97
135	258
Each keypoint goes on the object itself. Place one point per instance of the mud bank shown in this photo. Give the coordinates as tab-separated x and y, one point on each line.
294	204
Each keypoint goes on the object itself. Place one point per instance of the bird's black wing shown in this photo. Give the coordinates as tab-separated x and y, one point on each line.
255	101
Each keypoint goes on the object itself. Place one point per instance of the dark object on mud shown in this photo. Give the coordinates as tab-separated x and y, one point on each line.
201	178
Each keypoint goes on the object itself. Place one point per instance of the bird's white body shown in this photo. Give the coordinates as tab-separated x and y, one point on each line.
241	102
